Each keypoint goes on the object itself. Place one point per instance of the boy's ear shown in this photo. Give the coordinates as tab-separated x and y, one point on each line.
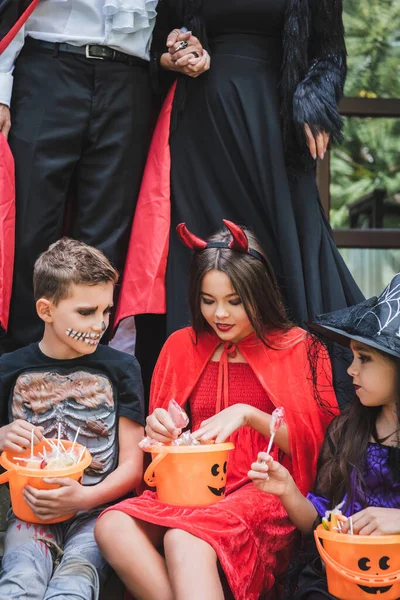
44	309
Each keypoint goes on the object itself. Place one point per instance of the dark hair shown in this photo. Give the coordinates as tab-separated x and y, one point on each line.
69	261
342	459
252	279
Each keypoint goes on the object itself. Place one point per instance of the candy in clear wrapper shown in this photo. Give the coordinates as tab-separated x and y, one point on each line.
185	439
278	418
181	420
147	442
177	414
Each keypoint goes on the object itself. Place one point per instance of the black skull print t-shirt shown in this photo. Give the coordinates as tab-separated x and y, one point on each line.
88	393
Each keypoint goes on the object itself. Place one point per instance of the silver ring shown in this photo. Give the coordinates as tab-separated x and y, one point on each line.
195	54
182	45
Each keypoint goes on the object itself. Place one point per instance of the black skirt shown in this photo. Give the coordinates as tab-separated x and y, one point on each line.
227	161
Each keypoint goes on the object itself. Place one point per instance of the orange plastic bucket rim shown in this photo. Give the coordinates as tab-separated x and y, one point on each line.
9	464
190	449
349	575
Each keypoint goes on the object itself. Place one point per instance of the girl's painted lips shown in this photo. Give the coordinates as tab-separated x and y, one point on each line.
221	327
356	387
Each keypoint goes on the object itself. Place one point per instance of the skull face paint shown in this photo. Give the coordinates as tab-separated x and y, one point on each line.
87	337
78	321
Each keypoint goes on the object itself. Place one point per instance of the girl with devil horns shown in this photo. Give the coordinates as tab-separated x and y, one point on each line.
239	360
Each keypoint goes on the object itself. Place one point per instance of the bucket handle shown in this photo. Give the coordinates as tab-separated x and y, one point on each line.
150	475
5	477
353	576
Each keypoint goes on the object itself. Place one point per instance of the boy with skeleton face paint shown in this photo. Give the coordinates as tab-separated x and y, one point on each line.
70	380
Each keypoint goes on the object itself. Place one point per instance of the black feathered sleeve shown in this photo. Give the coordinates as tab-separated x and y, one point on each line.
316	96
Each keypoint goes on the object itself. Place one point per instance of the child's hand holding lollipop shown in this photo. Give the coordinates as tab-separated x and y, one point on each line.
270	476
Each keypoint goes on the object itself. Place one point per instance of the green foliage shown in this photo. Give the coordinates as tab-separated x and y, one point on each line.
369	157
373	45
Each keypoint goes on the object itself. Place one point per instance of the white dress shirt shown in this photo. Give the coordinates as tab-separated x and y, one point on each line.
124	25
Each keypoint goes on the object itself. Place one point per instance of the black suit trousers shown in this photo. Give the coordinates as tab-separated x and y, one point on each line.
79	135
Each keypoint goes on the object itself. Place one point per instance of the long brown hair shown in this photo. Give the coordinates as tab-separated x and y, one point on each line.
342	459
252	279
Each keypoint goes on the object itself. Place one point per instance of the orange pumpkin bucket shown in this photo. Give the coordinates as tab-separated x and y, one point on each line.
360	565
19	477
189	475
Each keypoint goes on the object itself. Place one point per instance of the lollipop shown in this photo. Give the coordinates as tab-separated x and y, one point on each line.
277	420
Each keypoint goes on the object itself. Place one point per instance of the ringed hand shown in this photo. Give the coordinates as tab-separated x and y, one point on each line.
185	44
317	144
185	54
270	476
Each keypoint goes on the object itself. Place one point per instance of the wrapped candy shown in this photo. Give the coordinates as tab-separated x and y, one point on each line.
334	518
180	420
177	414
277	420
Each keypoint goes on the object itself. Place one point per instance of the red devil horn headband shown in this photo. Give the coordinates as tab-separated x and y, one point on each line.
239	243
189	239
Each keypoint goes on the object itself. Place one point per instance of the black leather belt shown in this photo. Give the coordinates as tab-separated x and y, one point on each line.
90	51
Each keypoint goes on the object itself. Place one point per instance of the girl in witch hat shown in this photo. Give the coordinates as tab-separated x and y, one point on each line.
240	359
360	459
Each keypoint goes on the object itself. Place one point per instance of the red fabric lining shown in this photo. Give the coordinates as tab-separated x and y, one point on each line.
143	283
7	229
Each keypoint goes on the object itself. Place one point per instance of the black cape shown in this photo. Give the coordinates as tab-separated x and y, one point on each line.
13	14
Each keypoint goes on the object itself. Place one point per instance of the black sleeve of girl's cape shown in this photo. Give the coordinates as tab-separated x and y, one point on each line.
316	97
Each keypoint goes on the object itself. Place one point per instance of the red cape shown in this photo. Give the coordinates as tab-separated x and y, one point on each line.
284	374
7	229
13	16
143	283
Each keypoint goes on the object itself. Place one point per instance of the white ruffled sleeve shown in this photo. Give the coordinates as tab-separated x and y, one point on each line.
129	16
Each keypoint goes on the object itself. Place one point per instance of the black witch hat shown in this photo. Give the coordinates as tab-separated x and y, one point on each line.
375	322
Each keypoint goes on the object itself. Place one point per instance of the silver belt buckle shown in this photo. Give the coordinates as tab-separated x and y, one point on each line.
88	55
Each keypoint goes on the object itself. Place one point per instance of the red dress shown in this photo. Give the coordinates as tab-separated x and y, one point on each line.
249	530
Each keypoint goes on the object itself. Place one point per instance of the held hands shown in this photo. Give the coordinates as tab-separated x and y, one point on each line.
191	60
375	521
69	498
270	476
17	436
317	144
5	120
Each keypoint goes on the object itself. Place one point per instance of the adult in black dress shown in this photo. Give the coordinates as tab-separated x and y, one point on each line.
246	135
239	149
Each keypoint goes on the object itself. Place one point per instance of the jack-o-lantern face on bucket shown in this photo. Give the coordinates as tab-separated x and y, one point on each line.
365	564
219	473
